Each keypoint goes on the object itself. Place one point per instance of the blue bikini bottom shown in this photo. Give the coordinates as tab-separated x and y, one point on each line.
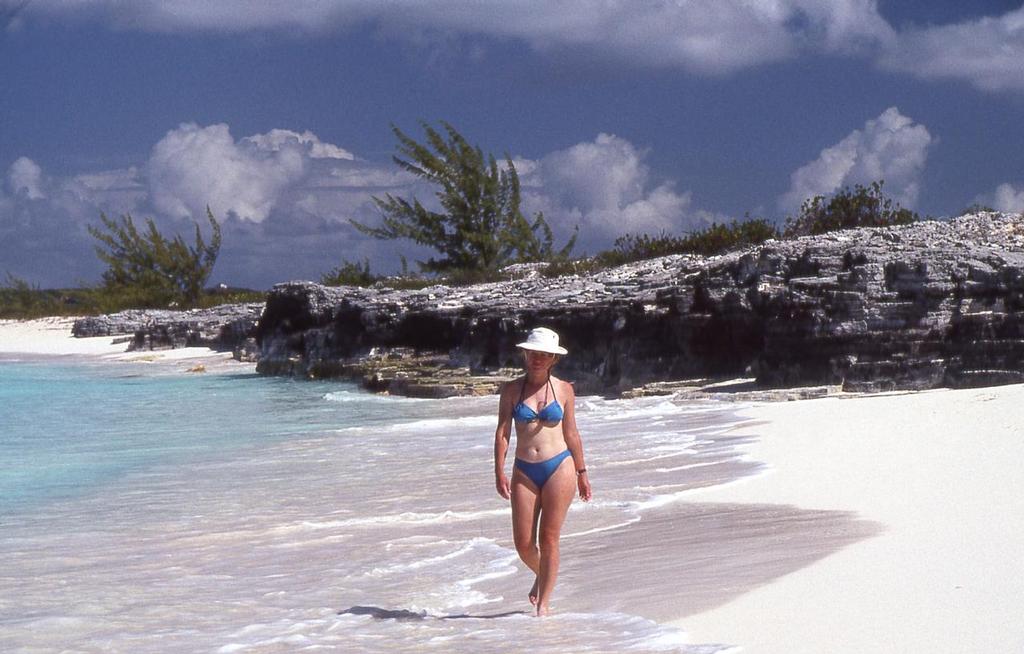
539	472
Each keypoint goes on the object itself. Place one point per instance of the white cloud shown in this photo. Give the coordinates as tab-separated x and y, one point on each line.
193	167
705	37
1008	198
113	192
41	201
275	139
275	198
708	38
291	192
104	181
605	188
986	52
25	177
891	148
42	229
222	15
845	26
363	175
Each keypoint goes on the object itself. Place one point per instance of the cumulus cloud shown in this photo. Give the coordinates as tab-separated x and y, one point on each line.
275	139
285	200
890	147
705	37
25	177
986	52
193	167
605	188
42	229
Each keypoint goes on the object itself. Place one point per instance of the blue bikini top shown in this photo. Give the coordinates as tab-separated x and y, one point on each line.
552	412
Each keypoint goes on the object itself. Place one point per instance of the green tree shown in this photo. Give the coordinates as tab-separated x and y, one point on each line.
148	269
481	227
864	206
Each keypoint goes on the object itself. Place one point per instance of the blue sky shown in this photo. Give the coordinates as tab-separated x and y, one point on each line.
621	117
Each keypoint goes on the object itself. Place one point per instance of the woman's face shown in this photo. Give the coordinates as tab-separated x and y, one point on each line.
539	361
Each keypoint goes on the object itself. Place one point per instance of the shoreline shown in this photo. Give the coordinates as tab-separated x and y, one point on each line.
939	472
51	338
887	522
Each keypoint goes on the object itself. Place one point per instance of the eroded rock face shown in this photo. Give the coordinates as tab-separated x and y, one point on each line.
921	306
226	327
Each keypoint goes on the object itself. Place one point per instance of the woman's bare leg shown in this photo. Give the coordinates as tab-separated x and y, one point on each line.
525	513
555	498
533	539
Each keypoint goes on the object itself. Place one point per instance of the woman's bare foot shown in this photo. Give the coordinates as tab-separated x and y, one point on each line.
542	610
534	592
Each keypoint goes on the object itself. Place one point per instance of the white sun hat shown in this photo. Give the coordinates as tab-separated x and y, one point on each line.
543	339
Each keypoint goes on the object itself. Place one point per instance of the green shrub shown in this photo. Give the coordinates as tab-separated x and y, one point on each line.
584	266
471	276
349	274
715	239
412	283
864	206
19	299
358	274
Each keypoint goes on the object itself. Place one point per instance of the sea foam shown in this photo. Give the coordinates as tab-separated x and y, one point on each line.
315	517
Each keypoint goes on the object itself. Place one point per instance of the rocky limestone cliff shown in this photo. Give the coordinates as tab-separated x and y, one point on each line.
921	306
229	327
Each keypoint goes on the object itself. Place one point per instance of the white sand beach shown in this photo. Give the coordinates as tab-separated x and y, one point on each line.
52	337
936	475
941	472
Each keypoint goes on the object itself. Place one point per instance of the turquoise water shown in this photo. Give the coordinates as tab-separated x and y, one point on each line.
70	429
145	509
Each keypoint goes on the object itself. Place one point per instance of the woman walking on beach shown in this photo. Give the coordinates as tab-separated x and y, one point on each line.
549	466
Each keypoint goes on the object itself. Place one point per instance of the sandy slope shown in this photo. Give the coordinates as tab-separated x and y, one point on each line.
943	472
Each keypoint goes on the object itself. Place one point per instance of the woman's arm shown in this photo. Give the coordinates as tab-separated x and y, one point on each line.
502	436
574	442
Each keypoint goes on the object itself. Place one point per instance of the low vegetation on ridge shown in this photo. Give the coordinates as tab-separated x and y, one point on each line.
483	229
479	232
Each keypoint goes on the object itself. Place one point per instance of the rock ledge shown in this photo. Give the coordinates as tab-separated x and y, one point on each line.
921	306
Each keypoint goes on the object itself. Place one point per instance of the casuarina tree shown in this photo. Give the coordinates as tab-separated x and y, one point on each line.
145	268
480	226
